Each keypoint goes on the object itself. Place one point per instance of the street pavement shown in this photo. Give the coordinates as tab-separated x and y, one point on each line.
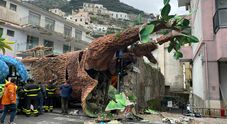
53	118
50	118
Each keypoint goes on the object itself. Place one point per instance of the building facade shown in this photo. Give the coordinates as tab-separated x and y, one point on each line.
208	57
95	8
176	73
30	26
80	18
119	15
57	12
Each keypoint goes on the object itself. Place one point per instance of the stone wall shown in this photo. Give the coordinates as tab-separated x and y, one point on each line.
148	84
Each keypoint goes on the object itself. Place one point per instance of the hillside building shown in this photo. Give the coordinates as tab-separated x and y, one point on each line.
30	26
58	12
119	15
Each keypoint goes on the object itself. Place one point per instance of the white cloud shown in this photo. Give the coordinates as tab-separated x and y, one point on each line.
154	6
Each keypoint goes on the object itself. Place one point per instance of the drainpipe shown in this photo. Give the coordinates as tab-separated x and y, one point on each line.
207	76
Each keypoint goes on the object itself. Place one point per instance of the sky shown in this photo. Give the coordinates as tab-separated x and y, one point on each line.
154	6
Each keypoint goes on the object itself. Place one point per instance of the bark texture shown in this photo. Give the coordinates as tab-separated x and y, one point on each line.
97	58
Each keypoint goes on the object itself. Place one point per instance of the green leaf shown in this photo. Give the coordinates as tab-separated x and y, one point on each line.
145	39
166	2
155	22
186	22
147	30
178	55
191	38
165	11
112	91
132	98
3	50
121	98
170	47
111	106
114	106
8	47
8	42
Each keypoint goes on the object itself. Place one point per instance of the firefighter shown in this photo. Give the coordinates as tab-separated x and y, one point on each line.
50	91
31	95
21	97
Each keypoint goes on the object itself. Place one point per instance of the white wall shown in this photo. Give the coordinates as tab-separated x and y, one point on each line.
196	22
198	77
20	39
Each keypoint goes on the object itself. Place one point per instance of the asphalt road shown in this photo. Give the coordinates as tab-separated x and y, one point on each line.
52	118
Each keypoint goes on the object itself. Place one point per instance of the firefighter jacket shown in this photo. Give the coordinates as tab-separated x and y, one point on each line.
31	89
50	89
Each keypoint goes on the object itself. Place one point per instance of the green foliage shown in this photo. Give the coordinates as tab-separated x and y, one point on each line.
120	102
145	33
178	55
113	5
132	98
165	11
170	23
166	2
5	44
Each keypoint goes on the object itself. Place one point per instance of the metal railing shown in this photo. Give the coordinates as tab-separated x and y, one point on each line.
220	19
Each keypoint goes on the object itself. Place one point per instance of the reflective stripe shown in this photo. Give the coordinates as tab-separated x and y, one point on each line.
50	93
35	111
32	95
26	111
50	89
31	90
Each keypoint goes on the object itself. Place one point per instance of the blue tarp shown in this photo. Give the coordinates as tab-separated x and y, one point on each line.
4	69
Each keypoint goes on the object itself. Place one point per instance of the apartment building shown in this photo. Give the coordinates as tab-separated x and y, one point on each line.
30	26
95	8
119	15
208	57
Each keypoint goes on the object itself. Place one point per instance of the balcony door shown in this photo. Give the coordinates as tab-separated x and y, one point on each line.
34	19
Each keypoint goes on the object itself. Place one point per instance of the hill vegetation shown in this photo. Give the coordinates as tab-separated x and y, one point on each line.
68	6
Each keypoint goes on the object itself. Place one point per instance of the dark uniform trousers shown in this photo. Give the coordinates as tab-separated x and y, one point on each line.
31	98
49	102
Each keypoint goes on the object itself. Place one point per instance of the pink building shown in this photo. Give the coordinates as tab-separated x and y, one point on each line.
209	56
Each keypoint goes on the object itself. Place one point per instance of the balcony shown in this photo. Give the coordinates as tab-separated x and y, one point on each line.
220	19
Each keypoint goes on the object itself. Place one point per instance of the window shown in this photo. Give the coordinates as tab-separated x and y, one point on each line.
76	20
220	18
34	19
48	43
221	4
1	31
66	48
3	3
68	31
49	24
32	42
78	34
81	20
13	7
10	33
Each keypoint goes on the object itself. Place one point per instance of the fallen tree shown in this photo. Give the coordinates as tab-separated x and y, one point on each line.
89	71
